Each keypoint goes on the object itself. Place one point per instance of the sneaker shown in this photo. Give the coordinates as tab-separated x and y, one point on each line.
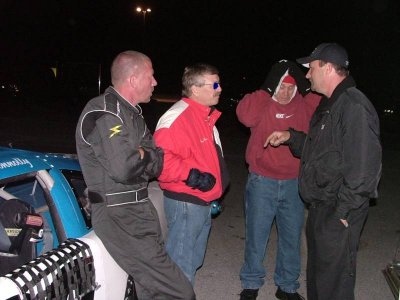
249	294
288	296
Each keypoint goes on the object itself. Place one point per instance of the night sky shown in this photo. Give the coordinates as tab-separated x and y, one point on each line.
241	38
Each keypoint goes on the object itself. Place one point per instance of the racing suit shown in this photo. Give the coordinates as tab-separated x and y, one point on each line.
109	133
340	170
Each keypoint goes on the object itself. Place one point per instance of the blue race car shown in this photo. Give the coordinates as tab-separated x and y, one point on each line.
47	247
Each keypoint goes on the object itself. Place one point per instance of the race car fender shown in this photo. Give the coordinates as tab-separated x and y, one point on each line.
111	280
76	268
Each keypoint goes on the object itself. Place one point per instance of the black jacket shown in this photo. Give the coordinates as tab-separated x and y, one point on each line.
108	136
341	155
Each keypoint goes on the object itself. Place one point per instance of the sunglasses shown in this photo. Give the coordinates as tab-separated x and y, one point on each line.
215	85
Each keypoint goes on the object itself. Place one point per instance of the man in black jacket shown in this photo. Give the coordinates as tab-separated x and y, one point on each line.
340	171
118	157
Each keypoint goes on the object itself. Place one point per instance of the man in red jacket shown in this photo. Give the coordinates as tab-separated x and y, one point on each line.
194	172
271	190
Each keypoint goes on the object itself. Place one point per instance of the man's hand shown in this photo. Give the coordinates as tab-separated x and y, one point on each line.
141	151
202	181
344	222
276	138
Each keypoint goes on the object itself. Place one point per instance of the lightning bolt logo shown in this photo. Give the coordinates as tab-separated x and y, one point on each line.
115	130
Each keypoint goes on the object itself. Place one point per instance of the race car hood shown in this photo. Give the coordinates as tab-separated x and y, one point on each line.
14	162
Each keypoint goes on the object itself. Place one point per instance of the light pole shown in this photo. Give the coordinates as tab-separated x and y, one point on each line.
140	10
144	12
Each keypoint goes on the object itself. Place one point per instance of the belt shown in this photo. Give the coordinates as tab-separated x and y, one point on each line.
120	198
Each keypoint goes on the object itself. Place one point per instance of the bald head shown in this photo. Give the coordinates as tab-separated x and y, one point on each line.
125	64
132	76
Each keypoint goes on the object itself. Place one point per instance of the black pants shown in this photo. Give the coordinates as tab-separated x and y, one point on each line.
132	235
332	249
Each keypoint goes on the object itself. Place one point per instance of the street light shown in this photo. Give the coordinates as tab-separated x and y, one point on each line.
144	12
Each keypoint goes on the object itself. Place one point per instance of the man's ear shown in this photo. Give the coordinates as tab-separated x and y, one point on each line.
195	90
132	80
329	68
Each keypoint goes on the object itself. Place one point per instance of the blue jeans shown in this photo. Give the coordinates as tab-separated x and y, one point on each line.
188	230
267	199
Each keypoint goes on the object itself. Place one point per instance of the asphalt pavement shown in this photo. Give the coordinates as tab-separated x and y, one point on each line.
219	276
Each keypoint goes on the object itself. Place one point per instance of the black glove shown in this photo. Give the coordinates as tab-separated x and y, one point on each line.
202	181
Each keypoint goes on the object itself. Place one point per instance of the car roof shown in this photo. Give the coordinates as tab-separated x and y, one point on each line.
14	162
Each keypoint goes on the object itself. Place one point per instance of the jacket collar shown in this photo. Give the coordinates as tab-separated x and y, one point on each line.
348	82
137	109
204	110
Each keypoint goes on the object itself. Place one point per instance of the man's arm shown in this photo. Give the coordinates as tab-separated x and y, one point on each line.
176	168
277	138
176	155
251	108
153	155
293	138
115	149
362	155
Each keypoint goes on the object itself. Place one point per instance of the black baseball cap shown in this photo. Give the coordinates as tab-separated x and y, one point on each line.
329	52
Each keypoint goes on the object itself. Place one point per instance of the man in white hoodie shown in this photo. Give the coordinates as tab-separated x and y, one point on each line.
272	186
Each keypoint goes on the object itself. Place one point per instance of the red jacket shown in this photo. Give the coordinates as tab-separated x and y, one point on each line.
263	115
188	135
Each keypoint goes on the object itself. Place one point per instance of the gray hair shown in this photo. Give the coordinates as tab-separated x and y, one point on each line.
192	76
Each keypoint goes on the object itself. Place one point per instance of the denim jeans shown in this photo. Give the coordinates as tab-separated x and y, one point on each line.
188	230
267	199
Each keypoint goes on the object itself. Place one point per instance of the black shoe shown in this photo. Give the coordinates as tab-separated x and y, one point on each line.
249	294
288	296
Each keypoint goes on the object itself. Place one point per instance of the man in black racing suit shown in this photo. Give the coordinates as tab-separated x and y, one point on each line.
118	157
